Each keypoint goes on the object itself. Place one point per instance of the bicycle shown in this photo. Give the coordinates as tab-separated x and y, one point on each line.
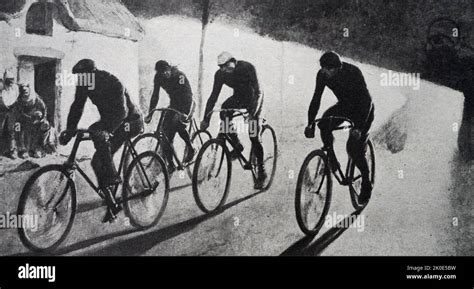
50	194
315	173
214	162
153	141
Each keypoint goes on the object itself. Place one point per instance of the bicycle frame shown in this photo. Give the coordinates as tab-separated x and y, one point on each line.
162	137
72	165
244	162
342	179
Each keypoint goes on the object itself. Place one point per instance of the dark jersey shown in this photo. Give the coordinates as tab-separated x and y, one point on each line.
109	96
28	108
178	89
349	87
243	80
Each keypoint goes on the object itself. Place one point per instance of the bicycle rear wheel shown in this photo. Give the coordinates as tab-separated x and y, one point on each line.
212	175
356	176
47	208
270	155
313	193
146	190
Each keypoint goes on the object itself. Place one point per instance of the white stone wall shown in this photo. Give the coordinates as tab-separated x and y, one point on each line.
118	56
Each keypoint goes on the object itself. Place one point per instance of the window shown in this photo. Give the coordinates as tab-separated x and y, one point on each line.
39	19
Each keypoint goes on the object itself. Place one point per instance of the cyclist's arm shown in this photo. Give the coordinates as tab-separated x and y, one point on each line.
365	99
155	97
77	107
216	90
316	100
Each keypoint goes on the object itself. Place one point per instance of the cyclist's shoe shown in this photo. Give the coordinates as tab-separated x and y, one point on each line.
190	152
111	213
366	192
238	149
261	178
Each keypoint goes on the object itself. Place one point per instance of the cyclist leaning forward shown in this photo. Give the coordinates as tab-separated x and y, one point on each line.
242	77
176	84
354	102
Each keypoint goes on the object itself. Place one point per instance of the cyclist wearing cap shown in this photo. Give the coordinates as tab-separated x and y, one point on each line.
242	77
354	102
120	119
176	84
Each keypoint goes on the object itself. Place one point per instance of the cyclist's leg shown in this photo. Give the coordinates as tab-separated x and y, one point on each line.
255	129
326	126
182	127
356	148
102	161
169	130
227	126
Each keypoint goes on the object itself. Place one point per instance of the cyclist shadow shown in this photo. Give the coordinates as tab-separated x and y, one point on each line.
97	204
142	243
305	246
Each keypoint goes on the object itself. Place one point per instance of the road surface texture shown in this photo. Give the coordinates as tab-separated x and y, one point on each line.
421	204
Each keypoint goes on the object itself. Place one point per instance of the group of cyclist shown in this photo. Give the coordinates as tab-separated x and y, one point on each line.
116	109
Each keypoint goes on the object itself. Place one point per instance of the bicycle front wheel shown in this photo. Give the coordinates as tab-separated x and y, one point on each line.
211	175
270	155
146	190
198	139
313	193
46	209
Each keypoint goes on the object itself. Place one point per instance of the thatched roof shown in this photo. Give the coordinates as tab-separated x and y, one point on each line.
107	17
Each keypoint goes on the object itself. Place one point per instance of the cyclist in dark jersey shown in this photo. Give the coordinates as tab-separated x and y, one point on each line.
119	120
354	102
176	84
242	77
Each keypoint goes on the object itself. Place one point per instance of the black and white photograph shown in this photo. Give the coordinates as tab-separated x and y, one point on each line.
245	128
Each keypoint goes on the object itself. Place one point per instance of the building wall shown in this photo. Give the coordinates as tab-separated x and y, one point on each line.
118	56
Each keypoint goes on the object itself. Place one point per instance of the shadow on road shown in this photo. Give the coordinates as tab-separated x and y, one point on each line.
303	247
96	204
142	243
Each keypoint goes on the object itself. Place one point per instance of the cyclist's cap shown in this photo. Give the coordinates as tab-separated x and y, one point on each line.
330	59
161	65
84	65
224	57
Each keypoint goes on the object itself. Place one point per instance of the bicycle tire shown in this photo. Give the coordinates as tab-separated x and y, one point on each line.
126	191
196	182
23	200
298	194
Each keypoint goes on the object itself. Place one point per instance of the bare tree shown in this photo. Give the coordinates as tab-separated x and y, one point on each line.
205	6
